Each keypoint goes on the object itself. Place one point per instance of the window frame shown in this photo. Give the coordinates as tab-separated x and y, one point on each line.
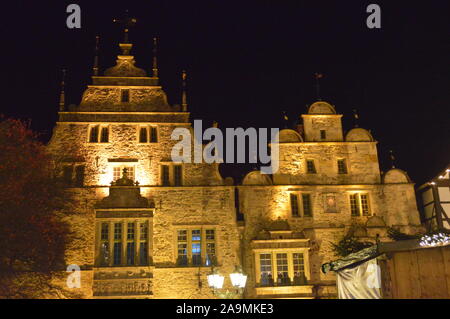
290	259
100	128
301	204
359	204
345	168
171	174
310	160
189	242
148	132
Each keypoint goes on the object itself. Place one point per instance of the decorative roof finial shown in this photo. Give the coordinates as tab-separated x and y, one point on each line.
127	23
62	97
318	76
355	117
155	61
285	119
183	94
392	158
95	67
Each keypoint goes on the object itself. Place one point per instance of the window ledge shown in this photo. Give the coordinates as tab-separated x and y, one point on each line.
284	290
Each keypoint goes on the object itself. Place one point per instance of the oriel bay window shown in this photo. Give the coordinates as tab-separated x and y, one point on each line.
282	267
359	204
123	243
196	247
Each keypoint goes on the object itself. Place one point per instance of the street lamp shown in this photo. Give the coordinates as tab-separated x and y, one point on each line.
238	280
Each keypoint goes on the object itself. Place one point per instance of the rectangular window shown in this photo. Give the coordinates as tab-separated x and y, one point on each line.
307	208
196	247
354	204
342	167
182	248
265	266
143	253
105	135
153	134
282	269
104	253
79	175
364	204
118	172
298	263
93	135
117	231
178	175
143	231
130	253
165	175
294	205
67	175
323	134
125	96
105	232
143	138
130	231
310	167
117	254
210	247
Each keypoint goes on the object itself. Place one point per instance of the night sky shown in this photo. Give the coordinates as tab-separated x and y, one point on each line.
248	61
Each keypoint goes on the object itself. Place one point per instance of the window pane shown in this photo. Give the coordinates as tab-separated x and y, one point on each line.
265	265
210	254
177	175
79	175
294	205
93	138
143	135
104	137
323	134
130	253
143	253
125	96
354	204
104	252
307	210
342	167
153	135
310	167
365	204
196	247
117	253
105	232
143	231
182	247
210	234
130	231
299	269
282	269
117	173
117	231
165	175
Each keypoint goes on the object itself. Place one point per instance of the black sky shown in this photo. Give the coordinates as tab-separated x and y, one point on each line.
249	60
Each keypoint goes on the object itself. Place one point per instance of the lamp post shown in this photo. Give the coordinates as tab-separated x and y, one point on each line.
238	281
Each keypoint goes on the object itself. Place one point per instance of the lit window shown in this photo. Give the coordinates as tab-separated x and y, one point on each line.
342	167
282	270
265	265
143	246
210	247
104	245
117	257
310	167
299	269
182	248
118	172
294	205
359	204
196	247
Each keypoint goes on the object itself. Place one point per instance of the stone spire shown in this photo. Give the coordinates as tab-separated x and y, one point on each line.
184	104
62	97
155	57
95	67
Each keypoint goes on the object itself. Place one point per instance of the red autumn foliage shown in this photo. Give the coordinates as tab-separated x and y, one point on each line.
32	237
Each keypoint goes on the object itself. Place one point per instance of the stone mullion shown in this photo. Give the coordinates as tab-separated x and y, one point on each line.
257	268
273	255
290	260
111	243
137	242
124	242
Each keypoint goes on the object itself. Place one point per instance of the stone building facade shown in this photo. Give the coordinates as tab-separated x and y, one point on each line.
146	227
